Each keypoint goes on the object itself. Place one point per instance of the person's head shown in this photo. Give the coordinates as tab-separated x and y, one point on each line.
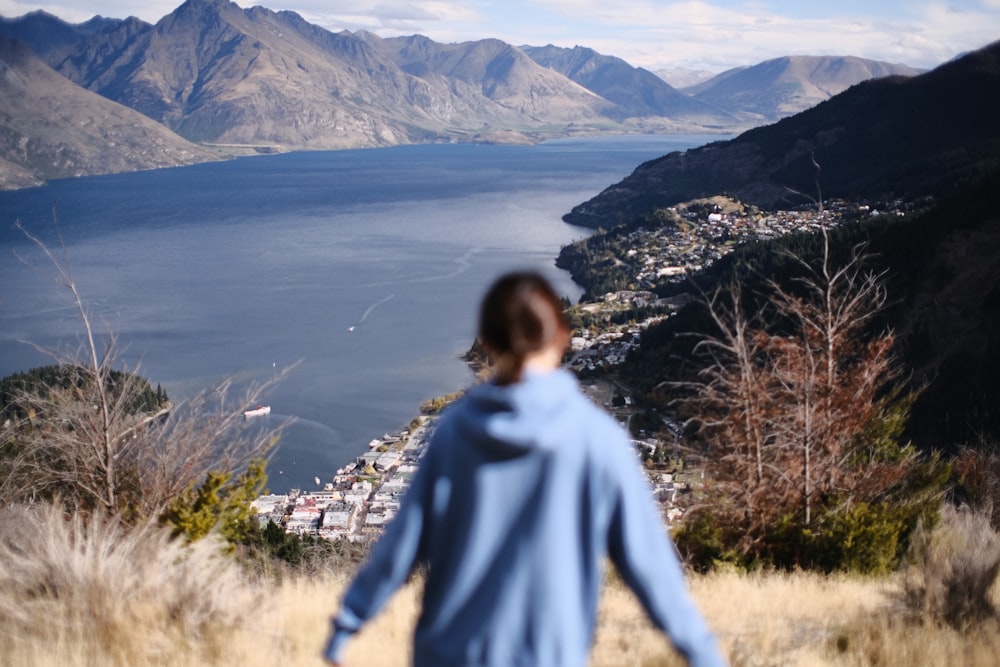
520	323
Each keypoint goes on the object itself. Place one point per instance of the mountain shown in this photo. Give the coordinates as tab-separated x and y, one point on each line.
50	37
781	87
890	137
52	128
492	78
216	73
683	77
255	79
636	91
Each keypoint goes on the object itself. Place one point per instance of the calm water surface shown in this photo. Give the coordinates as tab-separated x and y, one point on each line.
365	265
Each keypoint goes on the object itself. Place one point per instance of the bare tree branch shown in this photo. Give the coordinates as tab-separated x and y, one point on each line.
85	439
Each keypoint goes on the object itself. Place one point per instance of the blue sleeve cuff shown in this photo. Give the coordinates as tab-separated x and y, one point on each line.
343	630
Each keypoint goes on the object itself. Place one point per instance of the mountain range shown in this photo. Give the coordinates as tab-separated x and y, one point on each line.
241	80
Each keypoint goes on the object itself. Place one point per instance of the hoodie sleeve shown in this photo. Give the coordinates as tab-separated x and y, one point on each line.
639	547
389	564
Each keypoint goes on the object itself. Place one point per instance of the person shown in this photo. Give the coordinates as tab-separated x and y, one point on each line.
524	489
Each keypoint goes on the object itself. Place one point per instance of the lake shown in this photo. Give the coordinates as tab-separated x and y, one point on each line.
366	265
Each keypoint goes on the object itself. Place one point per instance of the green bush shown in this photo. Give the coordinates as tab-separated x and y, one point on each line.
867	538
863	539
219	503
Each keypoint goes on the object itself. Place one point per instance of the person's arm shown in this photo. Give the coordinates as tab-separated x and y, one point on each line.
391	561
642	552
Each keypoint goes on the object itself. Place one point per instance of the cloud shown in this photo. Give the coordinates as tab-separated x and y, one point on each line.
712	35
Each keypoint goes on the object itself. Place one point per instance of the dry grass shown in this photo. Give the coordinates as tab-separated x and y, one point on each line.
76	596
95	593
762	620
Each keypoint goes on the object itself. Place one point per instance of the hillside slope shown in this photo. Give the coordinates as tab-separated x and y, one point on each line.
892	137
944	294
52	128
636	92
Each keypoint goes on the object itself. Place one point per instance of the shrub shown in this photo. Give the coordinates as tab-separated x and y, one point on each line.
977	473
863	539
272	554
800	408
953	571
117	595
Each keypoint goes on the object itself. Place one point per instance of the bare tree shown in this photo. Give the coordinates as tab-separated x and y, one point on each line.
828	369
794	402
732	405
85	441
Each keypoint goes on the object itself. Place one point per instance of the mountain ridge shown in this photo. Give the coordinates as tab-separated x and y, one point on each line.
884	138
637	91
255	69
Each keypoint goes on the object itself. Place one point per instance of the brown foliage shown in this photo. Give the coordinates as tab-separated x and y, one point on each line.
797	405
977	470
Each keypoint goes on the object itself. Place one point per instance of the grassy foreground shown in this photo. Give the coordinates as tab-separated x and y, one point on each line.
75	595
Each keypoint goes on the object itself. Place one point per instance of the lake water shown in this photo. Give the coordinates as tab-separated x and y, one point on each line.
234	269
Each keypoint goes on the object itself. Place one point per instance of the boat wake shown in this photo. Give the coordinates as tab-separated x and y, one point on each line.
461	264
369	311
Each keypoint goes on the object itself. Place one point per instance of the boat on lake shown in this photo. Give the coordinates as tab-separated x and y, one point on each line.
259	411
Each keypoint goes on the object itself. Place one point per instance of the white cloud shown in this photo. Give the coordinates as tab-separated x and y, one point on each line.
711	36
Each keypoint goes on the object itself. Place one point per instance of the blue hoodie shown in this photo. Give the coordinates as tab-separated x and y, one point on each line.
523	491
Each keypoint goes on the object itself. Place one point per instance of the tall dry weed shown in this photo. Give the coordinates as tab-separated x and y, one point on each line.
97	593
890	640
952	578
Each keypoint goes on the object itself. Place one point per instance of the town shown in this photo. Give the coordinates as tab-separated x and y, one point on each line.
365	494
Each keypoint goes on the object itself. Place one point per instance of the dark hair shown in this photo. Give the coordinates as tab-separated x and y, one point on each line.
520	314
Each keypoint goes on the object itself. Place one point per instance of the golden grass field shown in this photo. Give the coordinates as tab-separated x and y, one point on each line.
82	596
761	620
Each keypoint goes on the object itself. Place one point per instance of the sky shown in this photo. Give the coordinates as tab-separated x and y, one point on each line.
711	35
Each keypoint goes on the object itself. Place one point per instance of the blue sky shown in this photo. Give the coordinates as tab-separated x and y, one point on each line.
699	34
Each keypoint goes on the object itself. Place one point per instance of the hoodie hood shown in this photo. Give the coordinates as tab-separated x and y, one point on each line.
508	420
